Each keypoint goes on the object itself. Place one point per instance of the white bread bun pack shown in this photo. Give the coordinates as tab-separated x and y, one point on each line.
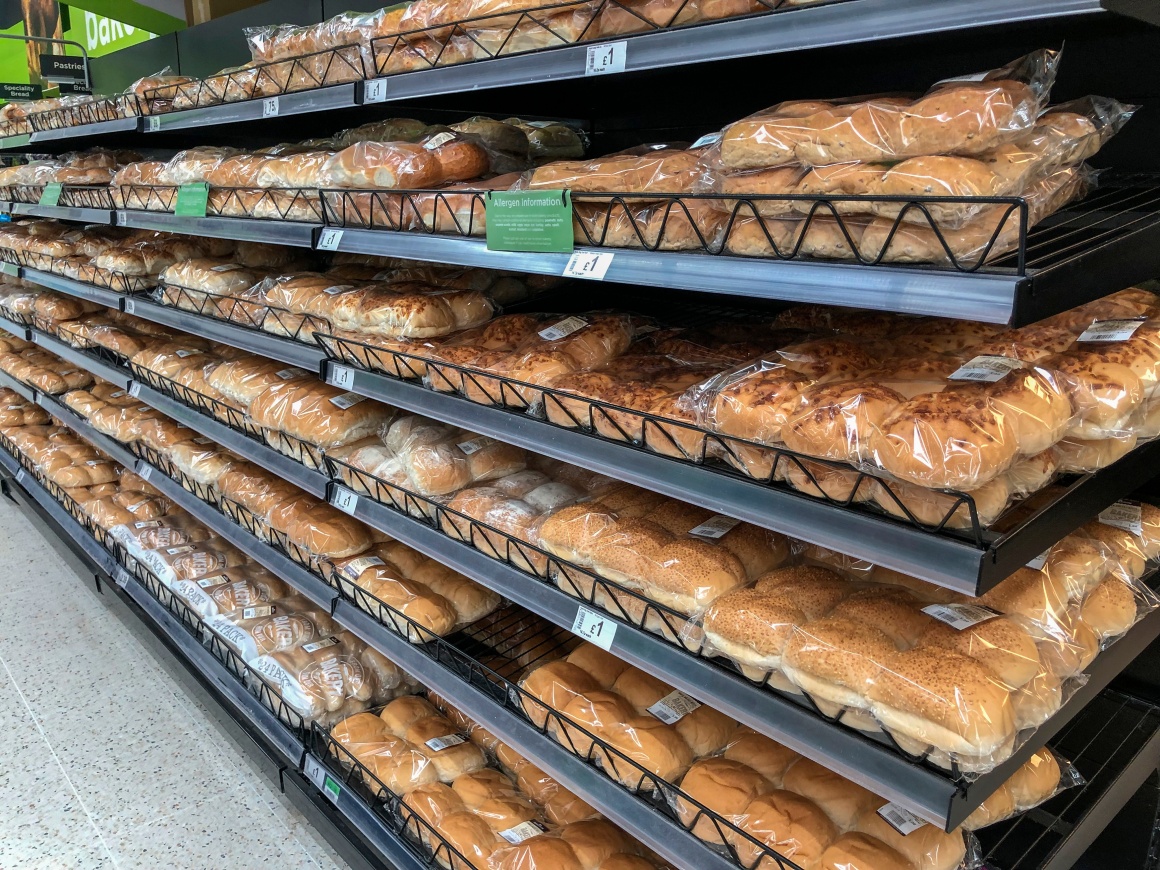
318	413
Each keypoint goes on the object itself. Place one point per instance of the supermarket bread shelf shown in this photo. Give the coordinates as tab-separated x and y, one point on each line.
85	429
317	100
72	287
63	212
242	229
25	391
111	373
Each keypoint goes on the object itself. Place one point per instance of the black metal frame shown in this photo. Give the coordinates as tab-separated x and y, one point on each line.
255	316
256	203
92	111
235	418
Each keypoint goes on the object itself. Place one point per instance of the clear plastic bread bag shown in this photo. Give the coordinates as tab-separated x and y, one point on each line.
265	628
1044	775
231	591
191	561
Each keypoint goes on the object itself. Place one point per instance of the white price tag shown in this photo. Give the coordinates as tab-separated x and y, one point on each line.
322	780
216	580
985	369
523	831
270	107
594	627
1111	330
589	265
1038	562
673	707
959	616
135	389
438	141
129	308
902	820
20	475
145	472
375	91
152	124
563	329
1126	515
717	527
438	744
343	499
340	376
257	612
121	576
328	240
606	58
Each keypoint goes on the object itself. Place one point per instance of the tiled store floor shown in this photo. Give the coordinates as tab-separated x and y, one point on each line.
104	761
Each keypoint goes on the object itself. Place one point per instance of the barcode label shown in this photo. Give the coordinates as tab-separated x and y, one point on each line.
437	744
187	353
347	400
173	551
594	627
716	527
1111	330
959	616
438	141
1126	515
355	567
337	288
256	612
320	644
563	329
588	265
902	820
474	445
523	831
673	707
146	524
707	139
216	580
116	394
289	374
986	369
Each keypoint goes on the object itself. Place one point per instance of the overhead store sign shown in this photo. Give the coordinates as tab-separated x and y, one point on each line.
17	92
60	68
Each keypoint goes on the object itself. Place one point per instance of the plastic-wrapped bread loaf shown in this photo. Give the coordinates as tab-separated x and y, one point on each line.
318	413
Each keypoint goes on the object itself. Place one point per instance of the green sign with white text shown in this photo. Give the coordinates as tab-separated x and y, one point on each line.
192	200
539	221
51	193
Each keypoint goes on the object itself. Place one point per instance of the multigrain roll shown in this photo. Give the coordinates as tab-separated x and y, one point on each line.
1110	609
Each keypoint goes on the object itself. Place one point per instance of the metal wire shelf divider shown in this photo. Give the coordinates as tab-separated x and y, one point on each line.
235	418
88	273
255	316
824	227
89	111
16	317
504	34
615	762
836	483
291	204
330	66
98	196
70	336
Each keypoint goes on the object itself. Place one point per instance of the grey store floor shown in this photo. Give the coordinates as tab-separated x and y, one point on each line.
104	761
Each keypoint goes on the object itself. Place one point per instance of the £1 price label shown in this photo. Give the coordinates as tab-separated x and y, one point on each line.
375	91
345	500
592	266
594	627
340	376
121	576
270	107
129	306
152	124
607	58
322	780
135	389
328	240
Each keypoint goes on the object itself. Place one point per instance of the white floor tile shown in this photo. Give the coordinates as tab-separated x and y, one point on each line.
106	763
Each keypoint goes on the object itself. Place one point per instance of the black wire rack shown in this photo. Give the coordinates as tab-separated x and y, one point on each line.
294	204
233	416
91	110
1100	741
97	196
28	193
548	26
162	463
332	66
836	483
783	227
80	269
9	313
243	312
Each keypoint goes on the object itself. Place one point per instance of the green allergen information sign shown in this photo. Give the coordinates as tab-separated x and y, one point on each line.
539	221
51	193
192	200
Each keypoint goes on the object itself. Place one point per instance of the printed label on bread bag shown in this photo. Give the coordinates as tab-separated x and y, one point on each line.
437	744
673	707
474	445
959	616
715	527
707	139
902	820
986	369
973	77
187	353
93	462
116	394
320	644
355	567
174	551
256	612
523	831
337	288
1111	330
227	267
594	627
563	329
347	400
146	524
438	141
289	374
216	580
204	441
1126	515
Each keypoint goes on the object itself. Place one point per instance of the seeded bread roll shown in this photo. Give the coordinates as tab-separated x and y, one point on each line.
835	661
1032	595
835	420
1129	561
941	698
752	628
1110	609
1104	394
1000	645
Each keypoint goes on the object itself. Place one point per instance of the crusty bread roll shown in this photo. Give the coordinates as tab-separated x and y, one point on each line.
787	824
404	711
